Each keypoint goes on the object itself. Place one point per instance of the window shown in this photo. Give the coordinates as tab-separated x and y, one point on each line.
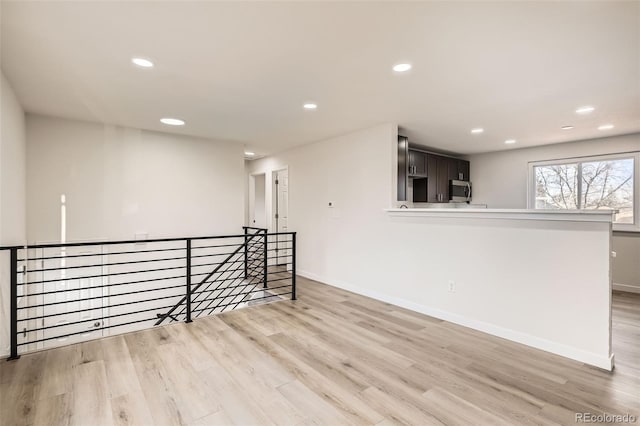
607	182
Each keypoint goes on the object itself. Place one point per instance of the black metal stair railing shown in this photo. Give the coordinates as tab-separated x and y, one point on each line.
223	273
68	293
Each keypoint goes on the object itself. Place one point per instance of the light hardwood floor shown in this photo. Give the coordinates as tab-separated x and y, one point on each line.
330	358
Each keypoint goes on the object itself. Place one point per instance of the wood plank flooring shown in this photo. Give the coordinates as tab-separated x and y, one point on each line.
330	358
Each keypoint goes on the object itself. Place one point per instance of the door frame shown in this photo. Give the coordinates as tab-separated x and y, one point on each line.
274	196
252	199
274	206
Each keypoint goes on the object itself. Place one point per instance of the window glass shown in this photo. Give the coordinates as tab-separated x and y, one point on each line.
594	184
557	186
609	185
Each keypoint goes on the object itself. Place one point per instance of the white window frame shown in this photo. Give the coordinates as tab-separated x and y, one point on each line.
623	227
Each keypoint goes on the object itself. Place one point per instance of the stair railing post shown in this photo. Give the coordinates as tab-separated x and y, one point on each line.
264	264
14	304
188	295
246	252
293	266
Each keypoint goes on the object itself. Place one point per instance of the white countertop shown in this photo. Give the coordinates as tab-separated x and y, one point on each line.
514	214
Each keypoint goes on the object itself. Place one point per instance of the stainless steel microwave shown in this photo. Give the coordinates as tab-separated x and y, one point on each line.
459	191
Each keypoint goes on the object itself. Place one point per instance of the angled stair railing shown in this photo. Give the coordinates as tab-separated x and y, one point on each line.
226	262
74	292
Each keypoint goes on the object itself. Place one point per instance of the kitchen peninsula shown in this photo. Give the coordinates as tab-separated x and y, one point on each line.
538	277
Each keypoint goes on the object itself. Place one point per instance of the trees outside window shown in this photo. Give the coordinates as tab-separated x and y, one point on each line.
591	184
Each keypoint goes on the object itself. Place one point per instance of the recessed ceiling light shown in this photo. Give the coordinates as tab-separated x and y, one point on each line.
585	110
605	127
567	127
249	153
142	62
310	106
402	67
477	131
510	141
172	121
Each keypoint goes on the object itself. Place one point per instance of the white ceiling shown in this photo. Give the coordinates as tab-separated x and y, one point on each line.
241	71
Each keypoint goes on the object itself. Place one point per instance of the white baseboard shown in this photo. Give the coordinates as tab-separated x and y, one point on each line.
626	287
603	362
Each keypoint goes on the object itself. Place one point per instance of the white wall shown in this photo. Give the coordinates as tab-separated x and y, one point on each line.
356	245
12	192
12	168
500	180
120	182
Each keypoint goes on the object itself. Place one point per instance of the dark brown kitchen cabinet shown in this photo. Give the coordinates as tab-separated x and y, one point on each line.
442	179
432	178
420	190
459	169
452	168
417	163
440	171
464	170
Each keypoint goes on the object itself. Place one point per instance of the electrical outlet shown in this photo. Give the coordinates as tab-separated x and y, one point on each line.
452	286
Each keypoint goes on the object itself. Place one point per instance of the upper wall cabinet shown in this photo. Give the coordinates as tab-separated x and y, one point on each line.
417	163
464	169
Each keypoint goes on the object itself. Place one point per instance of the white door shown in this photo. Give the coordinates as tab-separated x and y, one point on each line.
281	216
73	298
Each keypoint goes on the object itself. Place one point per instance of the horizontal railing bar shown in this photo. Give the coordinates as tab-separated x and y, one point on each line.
193	248
110	285
94	309
237	303
240	277
104	275
100	265
92	319
222	272
129	252
219	272
239	260
99	254
104	286
194	300
84	331
111	243
279	257
44	305
210	255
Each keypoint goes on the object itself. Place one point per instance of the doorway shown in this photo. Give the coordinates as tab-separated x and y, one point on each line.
257	201
280	214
